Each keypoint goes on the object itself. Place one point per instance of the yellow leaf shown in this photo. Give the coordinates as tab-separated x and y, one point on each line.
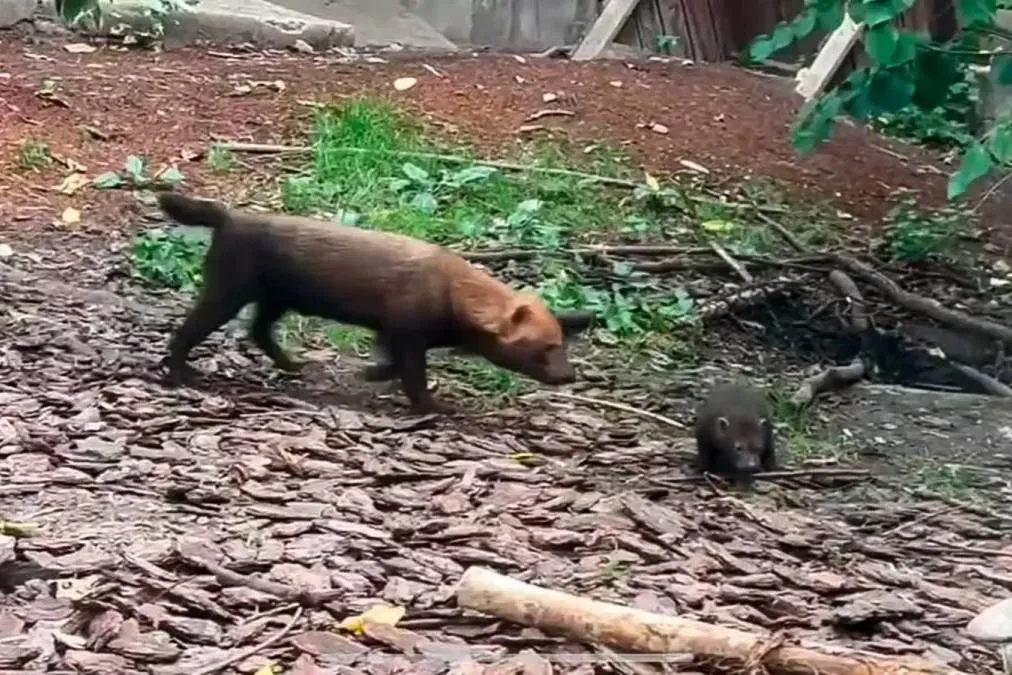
72	183
385	614
522	456
71	216
718	225
266	669
651	182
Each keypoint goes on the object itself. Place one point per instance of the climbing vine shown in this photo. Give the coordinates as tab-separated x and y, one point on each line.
906	69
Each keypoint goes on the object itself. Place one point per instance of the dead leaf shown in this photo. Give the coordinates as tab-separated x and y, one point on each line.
384	614
79	48
405	83
689	164
548	97
72	183
70	216
658	128
651	182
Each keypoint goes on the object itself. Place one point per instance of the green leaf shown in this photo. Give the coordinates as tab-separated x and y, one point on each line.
856	11
1001	67
815	123
472	174
830	15
1000	143
804	24
970	12
879	12
934	71
415	172
890	89
906	48
425	202
761	48
134	166
70	10
880	43
976	163
107	180
783	36
170	176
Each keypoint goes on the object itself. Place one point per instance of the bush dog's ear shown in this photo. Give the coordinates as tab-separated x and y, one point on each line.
574	322
519	316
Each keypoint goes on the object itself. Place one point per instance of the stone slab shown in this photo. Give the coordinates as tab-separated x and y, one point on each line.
15	11
222	22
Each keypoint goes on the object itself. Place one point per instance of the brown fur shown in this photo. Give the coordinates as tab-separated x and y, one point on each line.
734	436
415	295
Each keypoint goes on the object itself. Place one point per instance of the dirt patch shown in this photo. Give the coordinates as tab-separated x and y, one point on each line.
166	106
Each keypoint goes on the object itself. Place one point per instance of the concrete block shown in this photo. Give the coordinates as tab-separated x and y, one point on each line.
15	11
223	22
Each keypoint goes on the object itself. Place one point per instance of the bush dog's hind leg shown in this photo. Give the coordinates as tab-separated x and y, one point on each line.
261	332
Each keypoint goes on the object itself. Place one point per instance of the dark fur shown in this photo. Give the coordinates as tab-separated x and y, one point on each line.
734	433
415	296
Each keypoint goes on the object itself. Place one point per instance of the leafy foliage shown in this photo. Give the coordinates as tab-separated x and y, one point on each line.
907	70
135	173
914	235
170	259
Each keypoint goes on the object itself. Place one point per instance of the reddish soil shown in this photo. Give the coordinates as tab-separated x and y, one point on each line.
161	105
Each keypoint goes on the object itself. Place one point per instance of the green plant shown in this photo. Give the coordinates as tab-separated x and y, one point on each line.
154	13
666	44
220	158
169	259
629	307
33	155
915	235
906	69
134	173
951	125
423	191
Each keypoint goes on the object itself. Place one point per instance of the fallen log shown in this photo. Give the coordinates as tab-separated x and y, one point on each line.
626	629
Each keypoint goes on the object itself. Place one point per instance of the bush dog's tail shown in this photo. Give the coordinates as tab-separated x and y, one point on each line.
194	212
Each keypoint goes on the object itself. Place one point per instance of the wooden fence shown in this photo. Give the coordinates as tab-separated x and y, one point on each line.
717	30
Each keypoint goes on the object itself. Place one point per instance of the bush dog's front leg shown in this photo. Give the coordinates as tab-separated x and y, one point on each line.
410	362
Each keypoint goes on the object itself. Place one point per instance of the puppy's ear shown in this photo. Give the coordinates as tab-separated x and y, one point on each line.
574	322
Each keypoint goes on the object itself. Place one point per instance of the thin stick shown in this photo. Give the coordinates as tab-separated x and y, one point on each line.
453	159
783	231
991	190
734	264
246	653
617	406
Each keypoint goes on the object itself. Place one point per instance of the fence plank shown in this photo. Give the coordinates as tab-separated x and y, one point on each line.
604	29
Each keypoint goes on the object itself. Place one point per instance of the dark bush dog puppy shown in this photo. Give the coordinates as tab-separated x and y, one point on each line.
415	295
734	436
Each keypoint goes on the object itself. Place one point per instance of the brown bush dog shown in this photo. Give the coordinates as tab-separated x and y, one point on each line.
734	436
415	296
